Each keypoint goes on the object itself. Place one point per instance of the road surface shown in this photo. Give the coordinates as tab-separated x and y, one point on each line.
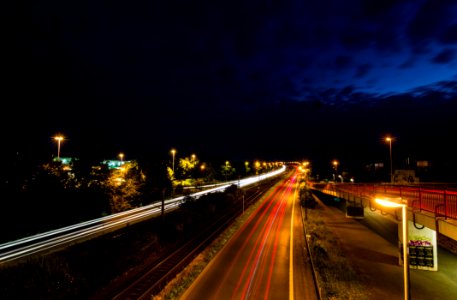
266	259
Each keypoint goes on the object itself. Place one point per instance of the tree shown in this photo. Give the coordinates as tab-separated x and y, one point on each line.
247	168
227	170
187	166
124	186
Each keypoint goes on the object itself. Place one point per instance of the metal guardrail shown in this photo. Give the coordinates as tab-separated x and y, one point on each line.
440	199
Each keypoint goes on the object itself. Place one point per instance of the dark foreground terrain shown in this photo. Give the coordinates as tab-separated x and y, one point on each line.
84	270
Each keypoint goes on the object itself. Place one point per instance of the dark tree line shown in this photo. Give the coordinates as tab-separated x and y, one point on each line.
54	194
82	270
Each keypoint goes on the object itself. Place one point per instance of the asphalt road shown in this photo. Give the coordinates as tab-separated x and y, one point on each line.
266	258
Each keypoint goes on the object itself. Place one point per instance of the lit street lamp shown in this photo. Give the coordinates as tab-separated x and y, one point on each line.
257	168
335	163
306	170
121	156
388	139
58	139
173	152
227	167
394	204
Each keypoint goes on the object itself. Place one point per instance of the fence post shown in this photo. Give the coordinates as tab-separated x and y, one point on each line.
445	205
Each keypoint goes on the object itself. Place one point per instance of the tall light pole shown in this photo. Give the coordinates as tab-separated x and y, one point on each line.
404	220
335	163
257	167
173	152
227	166
389	139
121	156
58	138
306	169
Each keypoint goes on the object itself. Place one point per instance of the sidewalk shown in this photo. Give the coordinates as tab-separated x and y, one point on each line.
377	260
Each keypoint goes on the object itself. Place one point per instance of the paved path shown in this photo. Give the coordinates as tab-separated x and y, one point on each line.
376	259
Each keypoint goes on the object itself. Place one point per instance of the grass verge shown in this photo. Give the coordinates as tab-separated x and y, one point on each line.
177	286
336	277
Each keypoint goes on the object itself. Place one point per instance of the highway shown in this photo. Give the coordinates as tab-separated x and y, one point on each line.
266	258
62	237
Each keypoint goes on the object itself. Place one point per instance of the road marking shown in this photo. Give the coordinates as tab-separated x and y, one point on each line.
291	252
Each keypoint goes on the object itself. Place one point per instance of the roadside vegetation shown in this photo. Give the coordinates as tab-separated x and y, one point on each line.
336	277
57	193
96	268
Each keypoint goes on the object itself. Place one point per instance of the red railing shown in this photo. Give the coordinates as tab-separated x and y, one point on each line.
438	199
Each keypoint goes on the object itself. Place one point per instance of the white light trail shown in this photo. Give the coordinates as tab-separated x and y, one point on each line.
61	236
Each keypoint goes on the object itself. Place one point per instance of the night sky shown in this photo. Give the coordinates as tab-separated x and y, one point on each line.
317	80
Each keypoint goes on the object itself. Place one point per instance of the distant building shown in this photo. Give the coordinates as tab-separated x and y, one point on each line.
65	160
405	177
423	164
114	164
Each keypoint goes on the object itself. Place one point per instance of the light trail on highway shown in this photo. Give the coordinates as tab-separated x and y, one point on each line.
54	239
258	261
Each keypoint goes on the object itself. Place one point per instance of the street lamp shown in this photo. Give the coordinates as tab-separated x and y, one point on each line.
306	170
58	139
335	163
121	156
389	139
227	168
173	152
395	204
257	167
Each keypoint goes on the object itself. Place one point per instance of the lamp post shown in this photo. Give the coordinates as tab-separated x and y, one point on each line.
390	203
173	152
121	156
306	169
335	163
58	139
389	139
227	166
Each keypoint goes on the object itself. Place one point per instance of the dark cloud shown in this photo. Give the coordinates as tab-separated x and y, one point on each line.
342	62
362	70
432	21
450	35
409	63
354	40
147	75
447	89
444	57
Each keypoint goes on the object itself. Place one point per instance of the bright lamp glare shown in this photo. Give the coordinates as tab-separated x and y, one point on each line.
387	203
